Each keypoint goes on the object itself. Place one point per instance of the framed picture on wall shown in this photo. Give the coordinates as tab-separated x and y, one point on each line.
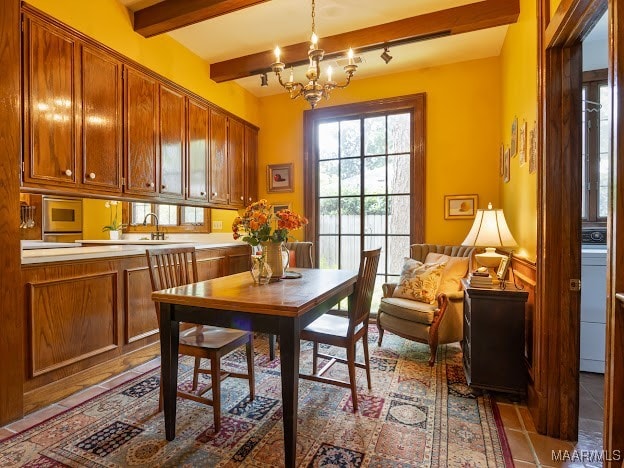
514	137
522	150
277	206
501	161
279	178
506	163
460	206
533	149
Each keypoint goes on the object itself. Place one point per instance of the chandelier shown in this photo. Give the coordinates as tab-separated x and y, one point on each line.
314	90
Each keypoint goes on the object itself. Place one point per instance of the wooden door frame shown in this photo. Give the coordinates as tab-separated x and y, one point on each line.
555	400
12	337
614	372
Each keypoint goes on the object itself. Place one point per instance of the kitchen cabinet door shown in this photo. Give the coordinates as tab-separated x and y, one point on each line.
198	142
101	140
49	105
251	165
236	163
172	140
218	158
141	123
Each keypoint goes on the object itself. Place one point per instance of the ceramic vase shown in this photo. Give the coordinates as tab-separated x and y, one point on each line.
113	235
275	258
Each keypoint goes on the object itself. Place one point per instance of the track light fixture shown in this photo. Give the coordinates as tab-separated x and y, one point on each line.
264	80
385	56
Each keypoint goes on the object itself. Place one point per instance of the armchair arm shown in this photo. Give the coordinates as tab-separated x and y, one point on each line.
456	296
437	318
388	289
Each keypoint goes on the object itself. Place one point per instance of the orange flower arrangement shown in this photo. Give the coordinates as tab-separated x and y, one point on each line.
260	224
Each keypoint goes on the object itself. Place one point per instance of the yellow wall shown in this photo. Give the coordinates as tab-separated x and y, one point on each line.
554	4
109	22
462	143
94	216
519	88
226	216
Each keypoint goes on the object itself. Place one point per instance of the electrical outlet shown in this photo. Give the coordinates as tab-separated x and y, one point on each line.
217	225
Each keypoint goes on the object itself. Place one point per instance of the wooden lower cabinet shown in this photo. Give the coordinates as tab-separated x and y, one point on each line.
91	319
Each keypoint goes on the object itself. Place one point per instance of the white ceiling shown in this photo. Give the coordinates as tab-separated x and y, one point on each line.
284	22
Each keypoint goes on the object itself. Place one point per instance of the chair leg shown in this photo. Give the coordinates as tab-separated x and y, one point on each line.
160	398
367	360
249	348
381	333
215	374
196	372
271	347
351	365
314	357
434	349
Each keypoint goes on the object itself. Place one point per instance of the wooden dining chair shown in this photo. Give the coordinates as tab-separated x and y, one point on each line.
178	266
345	332
300	257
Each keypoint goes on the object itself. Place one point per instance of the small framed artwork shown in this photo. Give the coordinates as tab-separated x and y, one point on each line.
506	169
501	273
460	206
279	178
514	137
277	206
522	145
501	161
533	149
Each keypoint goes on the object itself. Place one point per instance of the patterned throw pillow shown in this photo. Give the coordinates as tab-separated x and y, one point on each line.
419	281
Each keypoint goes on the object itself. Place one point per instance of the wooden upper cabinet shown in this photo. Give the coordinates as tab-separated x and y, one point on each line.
172	141
197	144
251	165
218	158
236	163
100	104
141	124
49	104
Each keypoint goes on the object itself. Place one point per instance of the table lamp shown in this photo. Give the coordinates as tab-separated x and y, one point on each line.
490	231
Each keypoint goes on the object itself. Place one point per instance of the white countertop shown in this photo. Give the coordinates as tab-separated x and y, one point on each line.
104	251
135	242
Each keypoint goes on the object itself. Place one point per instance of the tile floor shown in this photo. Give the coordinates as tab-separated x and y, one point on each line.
528	448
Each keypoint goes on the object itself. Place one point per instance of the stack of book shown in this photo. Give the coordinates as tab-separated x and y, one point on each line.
479	279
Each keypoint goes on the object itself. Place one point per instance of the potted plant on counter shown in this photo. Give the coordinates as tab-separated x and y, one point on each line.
114	227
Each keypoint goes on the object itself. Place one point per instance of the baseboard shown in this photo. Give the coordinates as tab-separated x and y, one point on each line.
55	391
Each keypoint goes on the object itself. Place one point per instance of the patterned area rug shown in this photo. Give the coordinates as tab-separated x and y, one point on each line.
414	416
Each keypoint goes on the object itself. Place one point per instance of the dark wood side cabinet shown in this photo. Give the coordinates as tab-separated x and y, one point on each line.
493	344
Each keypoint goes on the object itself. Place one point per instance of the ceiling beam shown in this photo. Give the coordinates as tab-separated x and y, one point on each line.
173	14
458	20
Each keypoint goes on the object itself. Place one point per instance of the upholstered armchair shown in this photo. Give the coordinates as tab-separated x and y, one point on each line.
432	324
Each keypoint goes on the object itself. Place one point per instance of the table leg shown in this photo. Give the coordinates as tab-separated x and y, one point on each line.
271	347
289	355
169	341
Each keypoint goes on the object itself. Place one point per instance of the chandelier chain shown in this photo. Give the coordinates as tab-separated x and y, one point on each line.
313	17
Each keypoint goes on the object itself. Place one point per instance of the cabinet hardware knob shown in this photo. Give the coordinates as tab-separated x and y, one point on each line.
151	184
202	193
249	198
68	172
242	198
214	194
164	187
92	175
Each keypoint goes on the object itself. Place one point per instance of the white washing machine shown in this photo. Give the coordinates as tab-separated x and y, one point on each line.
593	307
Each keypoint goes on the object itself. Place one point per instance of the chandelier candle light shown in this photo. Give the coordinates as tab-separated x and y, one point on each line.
314	90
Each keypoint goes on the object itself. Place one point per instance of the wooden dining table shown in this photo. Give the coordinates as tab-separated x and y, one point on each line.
282	308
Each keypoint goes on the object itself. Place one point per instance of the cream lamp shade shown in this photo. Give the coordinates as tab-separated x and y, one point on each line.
489	230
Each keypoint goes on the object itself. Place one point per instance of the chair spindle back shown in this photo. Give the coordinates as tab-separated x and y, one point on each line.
363	294
172	267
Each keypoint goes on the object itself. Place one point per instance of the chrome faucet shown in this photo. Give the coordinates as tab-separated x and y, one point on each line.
154	235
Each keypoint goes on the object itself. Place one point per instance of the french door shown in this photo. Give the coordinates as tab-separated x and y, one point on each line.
366	180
